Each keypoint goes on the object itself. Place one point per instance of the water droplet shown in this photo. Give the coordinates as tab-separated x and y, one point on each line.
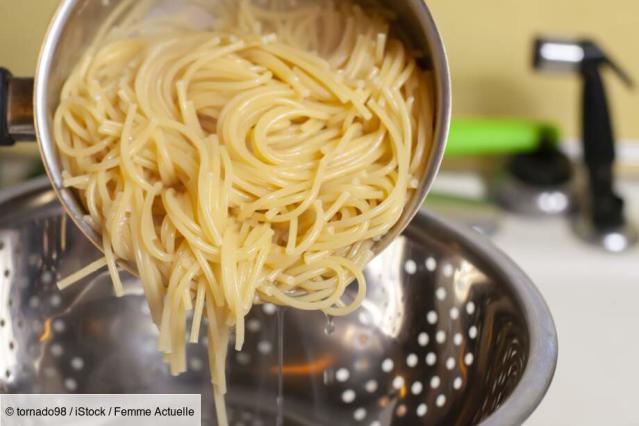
329	376
329	329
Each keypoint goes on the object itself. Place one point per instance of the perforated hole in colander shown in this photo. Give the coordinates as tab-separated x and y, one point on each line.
442	321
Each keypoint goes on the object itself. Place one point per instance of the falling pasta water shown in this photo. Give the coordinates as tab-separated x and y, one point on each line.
280	367
329	329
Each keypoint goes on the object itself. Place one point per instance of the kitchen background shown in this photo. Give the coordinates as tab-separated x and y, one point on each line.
490	48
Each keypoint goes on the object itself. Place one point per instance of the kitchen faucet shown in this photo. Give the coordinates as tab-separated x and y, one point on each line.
600	218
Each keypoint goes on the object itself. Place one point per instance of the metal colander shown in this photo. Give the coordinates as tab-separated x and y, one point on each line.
451	333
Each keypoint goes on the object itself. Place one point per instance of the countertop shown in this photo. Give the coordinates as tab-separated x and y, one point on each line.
594	298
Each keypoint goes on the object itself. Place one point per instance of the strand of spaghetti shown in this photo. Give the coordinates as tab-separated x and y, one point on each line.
113	269
82	273
197	313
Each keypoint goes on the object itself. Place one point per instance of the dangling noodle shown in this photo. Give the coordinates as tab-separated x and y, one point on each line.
252	159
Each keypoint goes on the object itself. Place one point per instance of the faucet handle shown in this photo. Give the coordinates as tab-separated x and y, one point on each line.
593	54
624	76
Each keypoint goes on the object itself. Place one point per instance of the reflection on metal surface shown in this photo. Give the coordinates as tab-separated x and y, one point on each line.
564	52
385	304
466	277
318	365
530	200
20	109
46	333
446	336
613	240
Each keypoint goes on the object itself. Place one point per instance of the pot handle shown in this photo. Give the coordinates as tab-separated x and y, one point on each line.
16	109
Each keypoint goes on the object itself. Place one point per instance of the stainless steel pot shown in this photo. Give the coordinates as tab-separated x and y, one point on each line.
72	29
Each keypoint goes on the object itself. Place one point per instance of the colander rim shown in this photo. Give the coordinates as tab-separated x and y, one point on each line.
543	349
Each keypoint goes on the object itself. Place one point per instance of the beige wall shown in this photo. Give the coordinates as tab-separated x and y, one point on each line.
489	43
22	25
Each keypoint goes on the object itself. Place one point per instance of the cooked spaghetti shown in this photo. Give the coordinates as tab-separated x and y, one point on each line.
255	159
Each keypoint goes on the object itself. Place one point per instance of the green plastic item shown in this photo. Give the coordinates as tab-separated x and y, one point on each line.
498	136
